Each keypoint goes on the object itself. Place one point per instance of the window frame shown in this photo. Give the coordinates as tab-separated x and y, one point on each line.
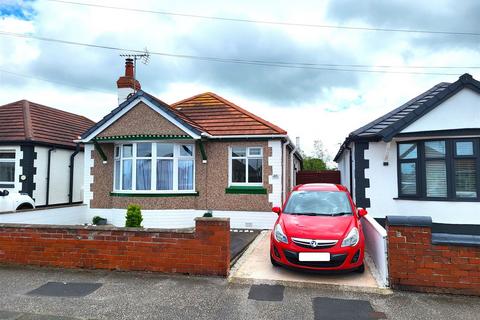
153	183
246	157
450	157
10	184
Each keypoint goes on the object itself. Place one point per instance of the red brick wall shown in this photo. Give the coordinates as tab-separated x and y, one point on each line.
203	251
324	176
416	264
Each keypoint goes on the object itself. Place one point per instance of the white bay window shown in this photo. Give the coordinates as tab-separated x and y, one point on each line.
154	167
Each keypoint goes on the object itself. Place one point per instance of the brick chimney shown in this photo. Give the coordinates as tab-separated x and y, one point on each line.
127	84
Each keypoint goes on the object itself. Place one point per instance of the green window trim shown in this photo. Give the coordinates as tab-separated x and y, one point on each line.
246	190
153	195
141	137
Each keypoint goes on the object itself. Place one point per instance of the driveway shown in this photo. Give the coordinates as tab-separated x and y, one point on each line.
121	295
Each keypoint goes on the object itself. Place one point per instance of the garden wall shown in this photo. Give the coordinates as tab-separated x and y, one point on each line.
421	261
204	250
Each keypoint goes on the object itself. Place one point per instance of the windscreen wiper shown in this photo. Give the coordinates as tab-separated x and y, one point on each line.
340	214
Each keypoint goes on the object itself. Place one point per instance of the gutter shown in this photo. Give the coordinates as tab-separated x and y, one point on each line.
72	167
49	160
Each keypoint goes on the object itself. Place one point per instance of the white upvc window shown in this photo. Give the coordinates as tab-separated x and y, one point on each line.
7	168
154	167
245	166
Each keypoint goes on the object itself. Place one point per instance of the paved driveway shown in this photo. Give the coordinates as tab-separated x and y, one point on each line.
121	295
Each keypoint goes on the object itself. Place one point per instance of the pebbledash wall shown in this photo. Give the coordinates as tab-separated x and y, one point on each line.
202	251
211	181
420	260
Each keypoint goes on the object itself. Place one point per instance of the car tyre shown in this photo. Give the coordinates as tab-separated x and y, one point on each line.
361	269
24	206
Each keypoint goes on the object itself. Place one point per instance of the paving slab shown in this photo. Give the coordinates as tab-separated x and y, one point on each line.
254	267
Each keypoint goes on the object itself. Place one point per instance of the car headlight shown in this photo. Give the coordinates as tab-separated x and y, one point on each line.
352	238
279	235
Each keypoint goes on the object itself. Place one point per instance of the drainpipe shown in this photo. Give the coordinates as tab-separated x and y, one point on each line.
71	167
292	153
350	166
48	174
284	173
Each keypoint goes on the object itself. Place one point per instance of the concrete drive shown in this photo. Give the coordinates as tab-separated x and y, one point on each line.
153	296
255	267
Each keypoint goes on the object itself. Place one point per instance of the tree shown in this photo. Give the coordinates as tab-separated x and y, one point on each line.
318	161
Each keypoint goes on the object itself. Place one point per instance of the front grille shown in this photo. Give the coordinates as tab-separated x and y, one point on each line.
336	260
314	244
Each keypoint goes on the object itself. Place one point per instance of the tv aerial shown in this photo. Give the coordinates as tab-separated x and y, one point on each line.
143	57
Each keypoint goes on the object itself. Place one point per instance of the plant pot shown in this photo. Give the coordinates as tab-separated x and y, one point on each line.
101	222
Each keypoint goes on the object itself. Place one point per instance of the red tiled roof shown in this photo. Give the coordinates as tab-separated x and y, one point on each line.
28	121
220	117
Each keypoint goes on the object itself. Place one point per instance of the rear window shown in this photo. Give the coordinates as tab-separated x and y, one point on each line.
318	203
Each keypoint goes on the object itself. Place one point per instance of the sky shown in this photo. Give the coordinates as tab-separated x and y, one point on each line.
313	103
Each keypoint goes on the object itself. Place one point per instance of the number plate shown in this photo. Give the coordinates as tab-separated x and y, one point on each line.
314	256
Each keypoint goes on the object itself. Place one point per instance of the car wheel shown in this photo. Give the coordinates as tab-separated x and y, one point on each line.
25	206
361	269
274	263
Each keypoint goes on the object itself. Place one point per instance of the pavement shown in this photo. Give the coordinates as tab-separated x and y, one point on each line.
254	267
42	293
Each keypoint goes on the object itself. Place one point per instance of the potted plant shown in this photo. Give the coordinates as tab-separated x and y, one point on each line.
99	221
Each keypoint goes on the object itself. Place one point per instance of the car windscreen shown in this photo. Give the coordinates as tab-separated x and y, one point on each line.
318	203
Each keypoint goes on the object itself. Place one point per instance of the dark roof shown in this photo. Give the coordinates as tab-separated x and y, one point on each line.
28	121
218	116
389	125
206	112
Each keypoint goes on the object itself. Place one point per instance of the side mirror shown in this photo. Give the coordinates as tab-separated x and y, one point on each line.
5	193
362	212
277	210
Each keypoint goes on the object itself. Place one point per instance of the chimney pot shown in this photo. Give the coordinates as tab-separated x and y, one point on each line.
127	84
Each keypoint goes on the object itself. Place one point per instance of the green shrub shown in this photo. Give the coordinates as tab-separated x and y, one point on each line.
97	220
208	214
134	216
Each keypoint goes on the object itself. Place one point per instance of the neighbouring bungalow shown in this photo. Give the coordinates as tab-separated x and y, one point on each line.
422	158
37	153
201	154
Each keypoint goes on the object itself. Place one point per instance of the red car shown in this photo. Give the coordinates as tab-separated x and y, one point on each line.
318	229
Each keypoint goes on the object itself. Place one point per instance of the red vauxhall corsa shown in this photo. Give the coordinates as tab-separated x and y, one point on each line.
318	229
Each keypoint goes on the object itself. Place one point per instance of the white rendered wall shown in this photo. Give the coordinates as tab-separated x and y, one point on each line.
77	193
275	179
77	215
344	167
40	178
383	189
461	111
87	176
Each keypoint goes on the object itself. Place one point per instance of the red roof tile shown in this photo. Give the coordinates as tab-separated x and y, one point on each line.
220	117
28	121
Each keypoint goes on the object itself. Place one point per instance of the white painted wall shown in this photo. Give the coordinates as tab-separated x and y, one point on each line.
77	215
383	189
344	167
18	168
461	111
275	179
376	246
87	176
59	176
40	178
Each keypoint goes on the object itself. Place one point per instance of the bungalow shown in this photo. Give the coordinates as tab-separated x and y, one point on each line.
37	153
421	158
199	154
